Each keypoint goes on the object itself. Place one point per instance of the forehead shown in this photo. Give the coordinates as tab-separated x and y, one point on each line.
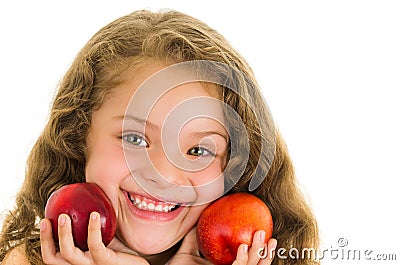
146	91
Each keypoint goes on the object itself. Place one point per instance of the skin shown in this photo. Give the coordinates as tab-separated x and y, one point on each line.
126	155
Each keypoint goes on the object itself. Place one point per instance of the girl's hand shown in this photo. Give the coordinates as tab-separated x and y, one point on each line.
189	252
260	253
70	255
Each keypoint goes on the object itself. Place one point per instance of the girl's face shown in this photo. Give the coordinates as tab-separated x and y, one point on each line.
157	200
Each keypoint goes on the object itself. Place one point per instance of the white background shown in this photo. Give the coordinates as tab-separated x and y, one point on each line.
331	76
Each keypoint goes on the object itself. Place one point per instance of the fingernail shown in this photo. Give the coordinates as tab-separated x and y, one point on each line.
262	236
42	225
245	248
61	220
273	244
94	215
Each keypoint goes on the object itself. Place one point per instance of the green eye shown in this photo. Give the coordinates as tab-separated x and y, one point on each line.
199	151
134	139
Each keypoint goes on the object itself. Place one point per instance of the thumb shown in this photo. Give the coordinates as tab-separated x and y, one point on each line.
189	244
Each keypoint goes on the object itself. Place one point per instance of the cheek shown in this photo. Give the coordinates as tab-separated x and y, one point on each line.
209	184
210	174
196	212
106	166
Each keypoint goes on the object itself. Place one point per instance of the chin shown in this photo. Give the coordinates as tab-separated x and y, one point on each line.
150	243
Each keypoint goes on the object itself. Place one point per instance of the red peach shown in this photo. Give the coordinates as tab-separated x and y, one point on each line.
230	221
78	200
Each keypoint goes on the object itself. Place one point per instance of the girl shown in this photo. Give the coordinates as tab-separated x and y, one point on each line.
160	155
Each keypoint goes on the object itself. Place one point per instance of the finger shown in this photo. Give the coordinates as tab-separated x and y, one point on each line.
269	252
99	253
242	255
257	247
47	244
68	250
97	249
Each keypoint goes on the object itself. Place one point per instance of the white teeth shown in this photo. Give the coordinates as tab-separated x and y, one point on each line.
150	206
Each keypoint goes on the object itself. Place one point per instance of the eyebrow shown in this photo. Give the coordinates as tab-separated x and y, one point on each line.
136	119
207	133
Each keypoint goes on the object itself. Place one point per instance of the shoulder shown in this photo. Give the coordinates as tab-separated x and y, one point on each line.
16	256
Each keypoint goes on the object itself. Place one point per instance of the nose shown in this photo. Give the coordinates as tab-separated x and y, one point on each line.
162	171
158	176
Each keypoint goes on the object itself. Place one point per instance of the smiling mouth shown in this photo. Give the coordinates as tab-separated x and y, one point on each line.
147	204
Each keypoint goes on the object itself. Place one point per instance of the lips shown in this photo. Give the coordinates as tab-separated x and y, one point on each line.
151	209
